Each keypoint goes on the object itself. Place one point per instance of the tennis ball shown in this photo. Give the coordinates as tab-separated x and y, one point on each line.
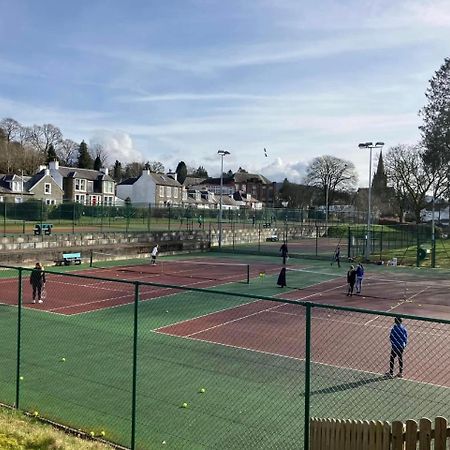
184	405
167	310
163	442
63	359
103	433
35	413
202	390
21	378
92	433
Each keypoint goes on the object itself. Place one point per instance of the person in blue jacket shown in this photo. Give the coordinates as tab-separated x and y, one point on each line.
359	277
399	340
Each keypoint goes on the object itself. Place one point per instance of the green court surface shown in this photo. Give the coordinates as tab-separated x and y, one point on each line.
253	398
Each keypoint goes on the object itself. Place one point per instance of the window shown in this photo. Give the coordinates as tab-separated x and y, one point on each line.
80	198
90	186
50	201
168	191
108	187
175	192
80	184
47	189
161	191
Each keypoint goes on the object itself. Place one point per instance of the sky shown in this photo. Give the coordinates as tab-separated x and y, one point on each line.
172	80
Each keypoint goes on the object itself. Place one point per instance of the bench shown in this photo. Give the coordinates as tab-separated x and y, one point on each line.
272	238
267	225
46	228
68	259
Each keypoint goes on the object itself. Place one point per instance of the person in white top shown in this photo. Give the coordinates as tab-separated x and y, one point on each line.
154	253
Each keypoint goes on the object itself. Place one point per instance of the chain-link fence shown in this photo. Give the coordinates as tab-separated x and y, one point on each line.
147	365
409	245
21	218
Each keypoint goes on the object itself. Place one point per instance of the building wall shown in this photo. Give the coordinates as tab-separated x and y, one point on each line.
56	195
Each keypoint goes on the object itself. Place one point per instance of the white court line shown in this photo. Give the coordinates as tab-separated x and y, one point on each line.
296	358
401	303
258	312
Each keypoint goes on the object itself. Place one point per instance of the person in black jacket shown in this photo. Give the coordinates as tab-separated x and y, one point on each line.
351	279
37	281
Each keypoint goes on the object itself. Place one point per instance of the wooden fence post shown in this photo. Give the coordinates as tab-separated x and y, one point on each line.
425	434
397	435
411	435
440	433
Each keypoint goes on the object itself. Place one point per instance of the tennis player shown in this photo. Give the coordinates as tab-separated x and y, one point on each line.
37	281
154	253
399	339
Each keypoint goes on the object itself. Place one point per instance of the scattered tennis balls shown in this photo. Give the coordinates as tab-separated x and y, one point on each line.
184	405
202	390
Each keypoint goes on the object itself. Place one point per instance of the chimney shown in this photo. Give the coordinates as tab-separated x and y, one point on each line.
171	174
47	171
41	168
53	165
105	170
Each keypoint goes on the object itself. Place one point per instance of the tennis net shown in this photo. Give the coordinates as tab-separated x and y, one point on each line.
391	289
204	270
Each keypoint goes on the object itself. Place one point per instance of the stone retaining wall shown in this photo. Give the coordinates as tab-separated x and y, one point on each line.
26	249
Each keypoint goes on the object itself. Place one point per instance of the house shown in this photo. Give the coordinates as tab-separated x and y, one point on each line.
151	188
12	189
85	186
257	186
44	187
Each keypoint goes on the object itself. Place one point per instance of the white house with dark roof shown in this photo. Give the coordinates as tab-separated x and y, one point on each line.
151	188
85	186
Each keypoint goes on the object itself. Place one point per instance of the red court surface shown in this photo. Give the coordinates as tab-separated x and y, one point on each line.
339	339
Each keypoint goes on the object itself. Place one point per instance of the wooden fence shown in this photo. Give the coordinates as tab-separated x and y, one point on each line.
333	434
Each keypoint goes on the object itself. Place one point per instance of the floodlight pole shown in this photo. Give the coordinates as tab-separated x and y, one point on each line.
370	146
222	153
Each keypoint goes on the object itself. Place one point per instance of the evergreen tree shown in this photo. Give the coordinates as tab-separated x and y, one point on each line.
84	158
117	171
51	154
181	172
436	120
201	172
97	163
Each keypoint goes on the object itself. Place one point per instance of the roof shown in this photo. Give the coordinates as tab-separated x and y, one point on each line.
30	182
164	180
192	181
128	181
88	174
241	177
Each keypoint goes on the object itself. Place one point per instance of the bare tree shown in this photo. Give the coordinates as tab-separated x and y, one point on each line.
67	152
98	151
41	137
409	177
331	174
11	129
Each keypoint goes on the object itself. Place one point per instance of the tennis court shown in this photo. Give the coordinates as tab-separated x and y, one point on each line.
247	351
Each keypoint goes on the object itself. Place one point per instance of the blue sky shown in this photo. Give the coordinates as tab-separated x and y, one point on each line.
171	80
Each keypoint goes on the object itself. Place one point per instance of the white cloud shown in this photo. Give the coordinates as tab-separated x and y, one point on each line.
278	170
118	145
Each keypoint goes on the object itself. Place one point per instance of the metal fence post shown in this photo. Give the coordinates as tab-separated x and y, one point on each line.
134	382
307	376
19	337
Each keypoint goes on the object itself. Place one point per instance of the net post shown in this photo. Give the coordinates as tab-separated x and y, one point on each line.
91	258
19	338
134	379
248	273
307	376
